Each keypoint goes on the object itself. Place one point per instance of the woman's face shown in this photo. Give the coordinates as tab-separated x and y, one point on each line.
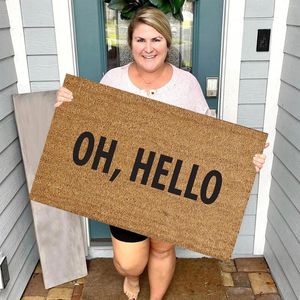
149	48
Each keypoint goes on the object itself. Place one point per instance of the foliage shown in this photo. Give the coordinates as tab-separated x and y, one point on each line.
129	7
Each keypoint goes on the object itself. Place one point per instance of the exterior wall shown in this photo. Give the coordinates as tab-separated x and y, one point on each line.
17	239
251	104
39	35
282	249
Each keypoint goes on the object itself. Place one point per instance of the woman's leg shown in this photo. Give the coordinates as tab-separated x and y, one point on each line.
161	267
130	260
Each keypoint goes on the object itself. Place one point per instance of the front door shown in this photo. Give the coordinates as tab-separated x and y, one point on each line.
101	45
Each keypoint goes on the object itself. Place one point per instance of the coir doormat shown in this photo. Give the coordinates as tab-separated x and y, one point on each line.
193	279
148	167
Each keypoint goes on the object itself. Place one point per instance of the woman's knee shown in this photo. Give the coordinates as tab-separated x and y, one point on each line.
162	249
130	259
129	267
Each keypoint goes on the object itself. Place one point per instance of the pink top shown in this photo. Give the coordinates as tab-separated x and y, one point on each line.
183	89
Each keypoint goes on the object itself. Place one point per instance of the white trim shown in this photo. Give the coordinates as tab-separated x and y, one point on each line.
85	234
100	251
271	110
233	27
65	40
18	41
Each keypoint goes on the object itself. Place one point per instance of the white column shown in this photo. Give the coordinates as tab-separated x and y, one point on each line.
233	27
271	110
65	38
18	41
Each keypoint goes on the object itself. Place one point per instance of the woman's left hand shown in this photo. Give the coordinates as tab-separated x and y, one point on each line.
259	160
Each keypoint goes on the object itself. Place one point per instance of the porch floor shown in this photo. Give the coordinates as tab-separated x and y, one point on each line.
242	278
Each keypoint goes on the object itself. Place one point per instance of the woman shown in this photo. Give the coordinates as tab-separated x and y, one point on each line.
149	37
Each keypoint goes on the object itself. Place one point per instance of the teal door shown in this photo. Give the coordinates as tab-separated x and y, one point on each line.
101	45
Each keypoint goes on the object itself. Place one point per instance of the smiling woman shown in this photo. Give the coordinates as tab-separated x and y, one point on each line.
149	38
150	74
149	49
116	38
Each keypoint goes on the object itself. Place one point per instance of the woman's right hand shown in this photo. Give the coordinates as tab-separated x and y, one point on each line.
63	95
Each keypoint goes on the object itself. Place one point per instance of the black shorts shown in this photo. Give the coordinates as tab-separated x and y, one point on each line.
126	235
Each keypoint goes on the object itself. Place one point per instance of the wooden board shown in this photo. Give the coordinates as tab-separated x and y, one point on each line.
149	167
58	232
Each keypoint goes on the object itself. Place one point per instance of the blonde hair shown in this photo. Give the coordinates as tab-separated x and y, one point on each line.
152	17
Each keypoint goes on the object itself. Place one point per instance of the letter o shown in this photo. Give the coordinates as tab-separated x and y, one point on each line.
216	191
89	151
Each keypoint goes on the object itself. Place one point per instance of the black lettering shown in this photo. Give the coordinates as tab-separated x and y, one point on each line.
217	188
172	188
115	174
188	191
82	161
108	155
143	166
161	171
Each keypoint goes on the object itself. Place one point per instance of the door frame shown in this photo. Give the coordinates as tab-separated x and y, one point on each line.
230	62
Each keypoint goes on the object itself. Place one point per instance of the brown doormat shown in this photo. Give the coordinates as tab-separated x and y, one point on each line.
185	178
194	279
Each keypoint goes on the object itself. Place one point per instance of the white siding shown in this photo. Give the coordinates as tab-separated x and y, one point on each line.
8	131
40	41
40	44
42	68
6	103
17	240
282	249
259	8
4	22
37	13
254	69
6	49
8	75
252	98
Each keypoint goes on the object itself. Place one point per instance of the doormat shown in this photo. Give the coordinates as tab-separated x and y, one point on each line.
193	279
148	167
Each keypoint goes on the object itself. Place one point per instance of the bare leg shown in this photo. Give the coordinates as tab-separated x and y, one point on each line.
130	260
161	267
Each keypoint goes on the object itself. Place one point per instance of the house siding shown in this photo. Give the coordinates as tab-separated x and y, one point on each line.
40	44
17	239
282	250
251	103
